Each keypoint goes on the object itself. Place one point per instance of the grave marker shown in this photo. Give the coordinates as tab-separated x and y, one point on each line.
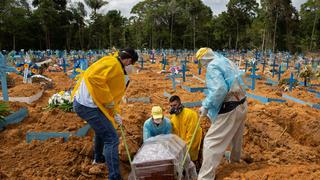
3	73
274	65
280	72
253	75
184	72
291	81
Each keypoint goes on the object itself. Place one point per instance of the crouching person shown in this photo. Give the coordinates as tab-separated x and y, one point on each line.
157	124
184	124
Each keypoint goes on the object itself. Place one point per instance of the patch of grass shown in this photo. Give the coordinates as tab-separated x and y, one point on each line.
4	111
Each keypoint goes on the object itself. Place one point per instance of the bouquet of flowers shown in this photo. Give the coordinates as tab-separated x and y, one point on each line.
61	100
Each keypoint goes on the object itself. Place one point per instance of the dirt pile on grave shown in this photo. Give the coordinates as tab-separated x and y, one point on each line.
20	89
51	159
281	141
278	137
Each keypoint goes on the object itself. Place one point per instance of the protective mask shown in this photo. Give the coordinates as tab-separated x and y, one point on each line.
204	63
157	121
129	69
176	110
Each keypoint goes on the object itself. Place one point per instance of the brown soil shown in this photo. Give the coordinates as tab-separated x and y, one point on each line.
21	89
302	94
262	89
281	140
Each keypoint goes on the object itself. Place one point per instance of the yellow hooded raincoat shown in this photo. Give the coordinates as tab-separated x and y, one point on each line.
105	80
184	125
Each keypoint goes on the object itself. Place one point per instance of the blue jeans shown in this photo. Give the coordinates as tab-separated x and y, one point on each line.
106	139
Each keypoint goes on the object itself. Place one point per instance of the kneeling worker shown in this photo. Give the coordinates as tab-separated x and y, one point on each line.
156	124
184	123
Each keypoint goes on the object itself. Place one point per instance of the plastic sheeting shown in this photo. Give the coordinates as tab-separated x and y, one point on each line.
161	157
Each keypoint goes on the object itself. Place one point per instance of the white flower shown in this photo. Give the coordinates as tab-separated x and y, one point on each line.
50	100
59	100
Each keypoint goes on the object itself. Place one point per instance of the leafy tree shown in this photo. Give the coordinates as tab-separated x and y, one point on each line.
310	25
95	5
241	14
79	13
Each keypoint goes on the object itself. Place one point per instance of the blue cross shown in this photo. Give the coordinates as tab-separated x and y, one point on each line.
256	53
164	61
3	73
246	65
254	76
263	63
184	62
280	72
291	81
298	67
184	72
274	65
83	64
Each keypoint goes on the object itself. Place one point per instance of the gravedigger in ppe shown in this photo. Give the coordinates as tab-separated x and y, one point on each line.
226	107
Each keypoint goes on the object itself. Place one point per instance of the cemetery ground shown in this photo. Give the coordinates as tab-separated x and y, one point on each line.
281	139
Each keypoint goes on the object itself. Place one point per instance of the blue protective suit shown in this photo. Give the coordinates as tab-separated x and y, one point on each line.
220	78
150	129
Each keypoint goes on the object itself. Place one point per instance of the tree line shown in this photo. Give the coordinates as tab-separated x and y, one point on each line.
177	24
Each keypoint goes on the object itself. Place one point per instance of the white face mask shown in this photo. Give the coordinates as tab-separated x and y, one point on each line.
129	69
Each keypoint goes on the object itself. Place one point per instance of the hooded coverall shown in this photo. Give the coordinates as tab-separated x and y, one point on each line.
184	125
222	80
151	130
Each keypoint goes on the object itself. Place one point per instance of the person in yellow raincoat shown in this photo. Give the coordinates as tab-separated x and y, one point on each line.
96	99
184	122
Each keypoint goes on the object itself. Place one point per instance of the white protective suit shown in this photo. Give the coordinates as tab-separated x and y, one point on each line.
222	80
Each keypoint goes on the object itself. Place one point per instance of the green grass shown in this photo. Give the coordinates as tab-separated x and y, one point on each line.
4	111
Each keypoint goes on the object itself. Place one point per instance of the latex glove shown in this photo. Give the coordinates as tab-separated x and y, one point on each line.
118	119
203	111
110	106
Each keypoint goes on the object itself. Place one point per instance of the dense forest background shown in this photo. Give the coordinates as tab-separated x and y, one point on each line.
177	24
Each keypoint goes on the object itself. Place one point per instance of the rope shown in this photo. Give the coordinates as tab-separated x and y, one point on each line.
125	143
192	139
